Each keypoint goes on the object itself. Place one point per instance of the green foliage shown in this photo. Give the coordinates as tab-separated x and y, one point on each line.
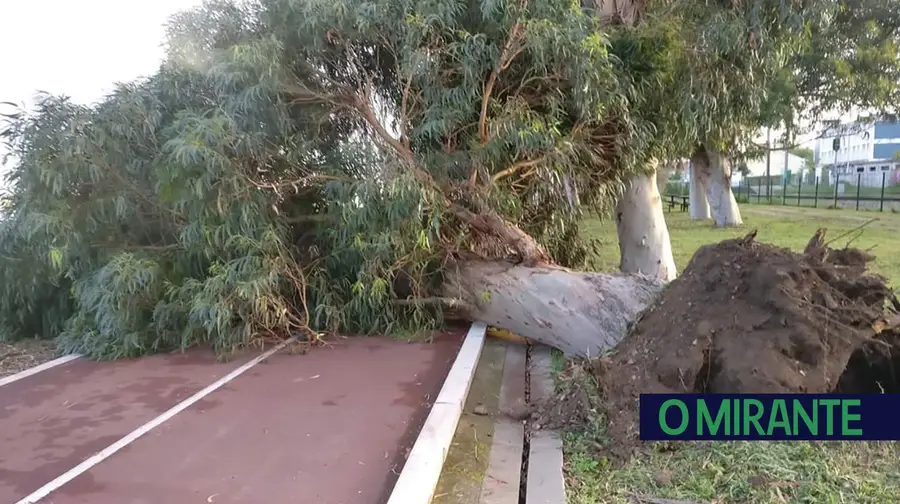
300	165
807	154
848	59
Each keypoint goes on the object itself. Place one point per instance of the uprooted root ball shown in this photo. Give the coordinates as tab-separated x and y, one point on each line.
748	317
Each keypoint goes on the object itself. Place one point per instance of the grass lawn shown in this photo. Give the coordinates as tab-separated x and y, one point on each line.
785	226
746	472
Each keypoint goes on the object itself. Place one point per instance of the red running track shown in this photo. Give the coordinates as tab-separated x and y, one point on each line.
329	427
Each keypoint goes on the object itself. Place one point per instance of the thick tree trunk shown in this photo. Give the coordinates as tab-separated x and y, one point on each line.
644	244
579	313
716	172
698	204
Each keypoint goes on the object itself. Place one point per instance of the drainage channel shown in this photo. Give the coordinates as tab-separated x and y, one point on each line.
525	463
543	469
526	441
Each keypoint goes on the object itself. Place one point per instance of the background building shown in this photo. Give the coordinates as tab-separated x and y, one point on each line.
867	153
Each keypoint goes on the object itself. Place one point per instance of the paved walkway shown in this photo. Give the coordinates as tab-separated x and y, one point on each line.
329	427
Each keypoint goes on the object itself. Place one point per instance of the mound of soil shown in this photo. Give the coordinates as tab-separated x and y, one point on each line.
748	317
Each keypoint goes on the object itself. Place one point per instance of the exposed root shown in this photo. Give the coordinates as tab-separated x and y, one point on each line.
748	317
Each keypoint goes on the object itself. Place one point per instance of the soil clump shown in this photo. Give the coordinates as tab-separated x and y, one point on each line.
745	317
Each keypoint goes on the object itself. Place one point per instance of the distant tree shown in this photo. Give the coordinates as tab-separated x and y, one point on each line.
807	155
808	170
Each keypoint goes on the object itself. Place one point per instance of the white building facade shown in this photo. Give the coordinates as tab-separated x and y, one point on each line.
867	154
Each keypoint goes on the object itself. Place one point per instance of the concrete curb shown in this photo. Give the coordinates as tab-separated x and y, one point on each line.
37	369
422	470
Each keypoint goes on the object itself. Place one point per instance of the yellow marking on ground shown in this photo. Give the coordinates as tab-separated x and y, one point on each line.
505	335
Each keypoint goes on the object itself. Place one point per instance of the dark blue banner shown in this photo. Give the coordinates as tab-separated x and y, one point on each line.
783	417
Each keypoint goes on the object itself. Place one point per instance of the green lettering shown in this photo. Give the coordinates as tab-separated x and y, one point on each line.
737	417
752	418
779	409
684	417
846	417
704	418
812	424
829	414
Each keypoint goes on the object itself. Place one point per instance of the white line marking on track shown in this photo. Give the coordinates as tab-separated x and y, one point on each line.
107	452
37	369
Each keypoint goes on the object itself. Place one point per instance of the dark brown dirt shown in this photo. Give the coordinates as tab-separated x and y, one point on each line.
748	317
19	356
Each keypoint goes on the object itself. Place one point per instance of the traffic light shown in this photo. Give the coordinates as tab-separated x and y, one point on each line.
836	144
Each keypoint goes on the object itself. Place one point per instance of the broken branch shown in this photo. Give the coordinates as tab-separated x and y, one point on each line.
449	303
516	167
511	49
490	222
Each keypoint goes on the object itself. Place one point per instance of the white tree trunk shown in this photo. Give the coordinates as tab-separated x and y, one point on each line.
644	243
716	172
580	313
698	204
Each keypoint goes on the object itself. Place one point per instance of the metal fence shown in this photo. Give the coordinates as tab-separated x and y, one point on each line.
853	192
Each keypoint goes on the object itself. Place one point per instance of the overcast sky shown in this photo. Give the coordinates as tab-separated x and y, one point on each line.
79	48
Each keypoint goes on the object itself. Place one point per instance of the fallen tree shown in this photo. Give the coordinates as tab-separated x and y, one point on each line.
298	167
580	313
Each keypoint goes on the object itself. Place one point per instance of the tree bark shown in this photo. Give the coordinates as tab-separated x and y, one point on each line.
698	204
716	171
580	313
644	243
